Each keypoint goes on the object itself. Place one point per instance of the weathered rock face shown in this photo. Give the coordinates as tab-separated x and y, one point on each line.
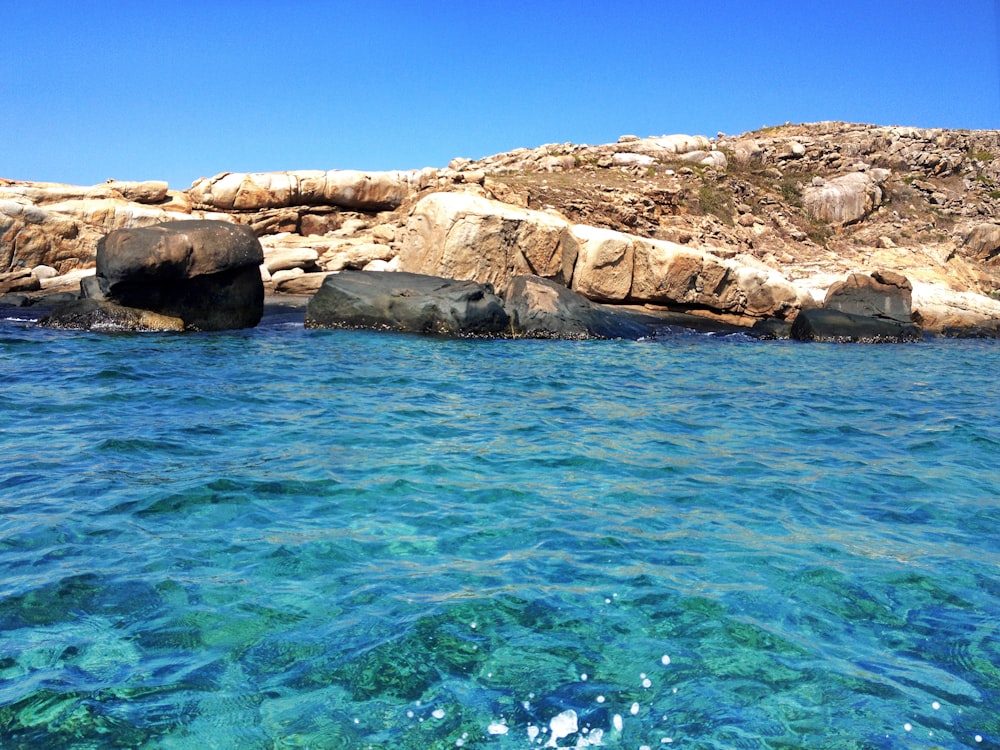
540	308
983	242
60	225
846	199
19	281
463	236
370	191
880	295
605	263
468	237
670	274
837	326
791	202
204	272
407	302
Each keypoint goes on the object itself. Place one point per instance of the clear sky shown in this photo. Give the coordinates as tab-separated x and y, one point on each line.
137	90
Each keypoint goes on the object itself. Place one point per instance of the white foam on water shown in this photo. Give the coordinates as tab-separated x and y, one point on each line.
438	713
936	706
584	677
908	727
665	660
472	625
459	742
532	731
979	738
617	722
647	683
497	727
563	725
600	699
634	709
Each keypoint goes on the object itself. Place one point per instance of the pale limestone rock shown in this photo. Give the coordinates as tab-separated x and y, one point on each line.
44	193
140	192
44	272
845	199
284	259
983	242
382	265
467	237
938	307
384	234
620	159
355	256
67	282
604	264
305	284
346	188
715	159
682	144
667	273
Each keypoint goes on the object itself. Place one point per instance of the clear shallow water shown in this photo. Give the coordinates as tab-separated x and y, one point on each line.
288	538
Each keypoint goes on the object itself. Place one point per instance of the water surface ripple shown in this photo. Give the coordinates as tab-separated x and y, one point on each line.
328	539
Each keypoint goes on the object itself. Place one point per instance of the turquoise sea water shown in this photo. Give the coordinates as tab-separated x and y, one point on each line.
286	538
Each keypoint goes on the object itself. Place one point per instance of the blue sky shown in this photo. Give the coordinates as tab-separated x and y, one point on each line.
99	89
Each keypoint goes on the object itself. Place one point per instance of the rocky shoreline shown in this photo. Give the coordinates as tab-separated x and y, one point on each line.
746	232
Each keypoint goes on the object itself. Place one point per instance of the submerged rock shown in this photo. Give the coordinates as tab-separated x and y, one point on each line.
104	315
407	302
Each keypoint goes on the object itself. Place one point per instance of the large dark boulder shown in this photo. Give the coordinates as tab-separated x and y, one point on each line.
883	294
834	325
206	273
407	302
540	308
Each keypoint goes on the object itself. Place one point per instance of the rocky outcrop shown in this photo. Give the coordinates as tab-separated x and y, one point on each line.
880	295
203	272
463	236
407	302
983	242
468	237
367	191
845	199
19	281
60	225
740	228
540	308
837	326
